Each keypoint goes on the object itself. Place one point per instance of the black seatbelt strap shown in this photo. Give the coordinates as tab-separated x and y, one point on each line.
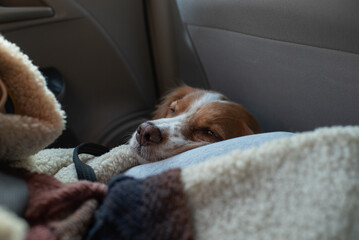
84	171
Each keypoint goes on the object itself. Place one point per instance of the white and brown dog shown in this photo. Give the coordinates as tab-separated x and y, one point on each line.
188	118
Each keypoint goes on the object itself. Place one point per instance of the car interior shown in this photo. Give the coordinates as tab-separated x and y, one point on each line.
293	64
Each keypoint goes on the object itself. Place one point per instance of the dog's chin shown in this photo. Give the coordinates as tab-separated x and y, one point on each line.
146	154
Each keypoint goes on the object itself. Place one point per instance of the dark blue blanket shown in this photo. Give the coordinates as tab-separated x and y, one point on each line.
150	208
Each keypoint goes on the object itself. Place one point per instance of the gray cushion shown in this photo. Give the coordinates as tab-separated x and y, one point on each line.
203	153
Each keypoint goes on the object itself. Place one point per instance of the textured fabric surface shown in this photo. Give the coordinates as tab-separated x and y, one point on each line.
204	153
76	225
153	208
59	211
105	166
302	187
38	119
48	161
58	163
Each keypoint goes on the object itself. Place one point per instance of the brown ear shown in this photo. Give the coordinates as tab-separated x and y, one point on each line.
176	94
246	130
246	123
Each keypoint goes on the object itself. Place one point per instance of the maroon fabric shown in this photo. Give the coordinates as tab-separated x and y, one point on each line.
59	211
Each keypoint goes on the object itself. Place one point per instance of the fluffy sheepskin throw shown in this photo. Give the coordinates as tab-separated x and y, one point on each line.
38	119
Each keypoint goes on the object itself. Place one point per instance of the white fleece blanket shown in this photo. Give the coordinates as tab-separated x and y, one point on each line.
302	187
58	163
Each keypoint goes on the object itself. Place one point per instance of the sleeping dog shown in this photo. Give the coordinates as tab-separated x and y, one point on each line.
188	118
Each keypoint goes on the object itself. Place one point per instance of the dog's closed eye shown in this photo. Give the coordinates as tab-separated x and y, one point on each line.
212	134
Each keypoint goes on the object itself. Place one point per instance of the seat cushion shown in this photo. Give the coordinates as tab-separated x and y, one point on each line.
201	154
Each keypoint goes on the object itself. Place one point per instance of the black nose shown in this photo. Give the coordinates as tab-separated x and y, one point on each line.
148	134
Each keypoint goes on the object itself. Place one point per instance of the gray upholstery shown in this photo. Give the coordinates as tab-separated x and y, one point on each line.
285	85
330	24
293	64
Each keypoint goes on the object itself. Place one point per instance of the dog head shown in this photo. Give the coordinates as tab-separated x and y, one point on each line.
188	118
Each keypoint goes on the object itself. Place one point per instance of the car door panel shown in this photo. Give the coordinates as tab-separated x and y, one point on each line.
107	70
